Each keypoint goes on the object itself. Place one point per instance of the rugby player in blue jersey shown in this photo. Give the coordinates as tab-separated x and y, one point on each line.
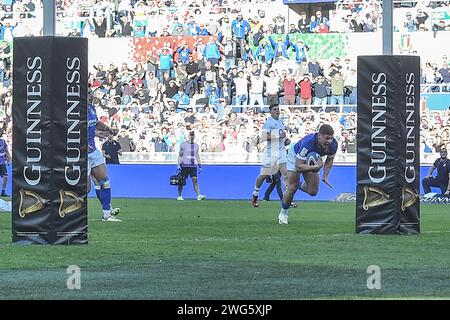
324	144
96	163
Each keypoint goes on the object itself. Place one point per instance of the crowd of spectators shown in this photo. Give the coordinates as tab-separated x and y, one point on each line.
150	18
220	87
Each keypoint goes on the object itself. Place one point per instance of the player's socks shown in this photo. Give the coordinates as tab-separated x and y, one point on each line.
105	196
256	192
97	192
284	206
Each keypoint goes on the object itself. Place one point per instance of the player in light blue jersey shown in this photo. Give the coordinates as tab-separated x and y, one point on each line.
274	158
324	144
96	163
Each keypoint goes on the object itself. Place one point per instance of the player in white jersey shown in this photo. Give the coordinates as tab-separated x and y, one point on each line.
274	159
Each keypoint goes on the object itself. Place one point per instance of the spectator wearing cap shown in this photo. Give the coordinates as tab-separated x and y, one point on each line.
165	62
279	27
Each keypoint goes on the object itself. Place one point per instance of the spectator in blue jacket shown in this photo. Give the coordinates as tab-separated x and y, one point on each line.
202	30
165	62
192	27
211	52
280	47
240	28
184	51
300	49
182	99
7	31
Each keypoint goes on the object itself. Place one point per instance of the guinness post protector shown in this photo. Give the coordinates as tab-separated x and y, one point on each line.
410	145
388	145
50	140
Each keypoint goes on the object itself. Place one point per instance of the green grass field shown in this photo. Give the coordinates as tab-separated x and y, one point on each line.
166	249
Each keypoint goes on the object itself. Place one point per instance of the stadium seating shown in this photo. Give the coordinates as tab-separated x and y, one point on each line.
156	111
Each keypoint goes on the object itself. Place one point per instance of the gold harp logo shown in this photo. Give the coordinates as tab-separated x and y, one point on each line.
409	197
30	202
69	202
374	197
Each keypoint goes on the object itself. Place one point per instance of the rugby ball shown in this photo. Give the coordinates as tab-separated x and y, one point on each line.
311	158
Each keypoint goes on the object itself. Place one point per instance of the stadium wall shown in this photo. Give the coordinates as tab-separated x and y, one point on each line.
216	181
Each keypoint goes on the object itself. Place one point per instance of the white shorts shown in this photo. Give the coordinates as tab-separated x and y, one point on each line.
95	159
271	163
291	159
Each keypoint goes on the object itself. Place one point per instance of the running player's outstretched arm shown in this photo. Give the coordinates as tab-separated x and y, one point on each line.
327	168
329	164
103	127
